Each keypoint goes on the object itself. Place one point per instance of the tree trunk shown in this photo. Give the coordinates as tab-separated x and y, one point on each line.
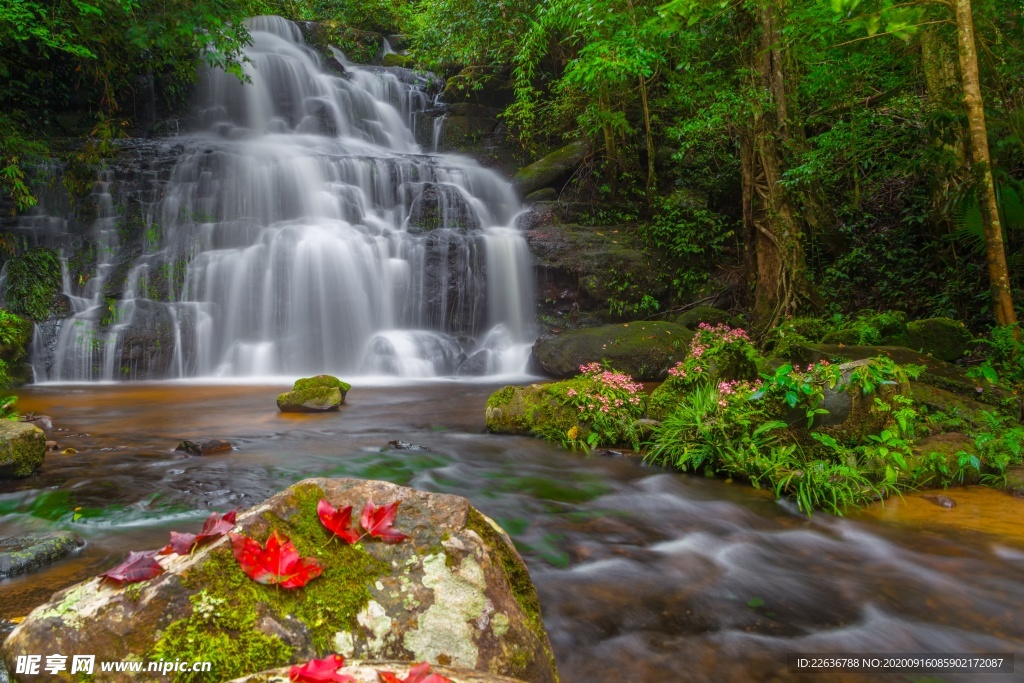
999	278
781	264
649	139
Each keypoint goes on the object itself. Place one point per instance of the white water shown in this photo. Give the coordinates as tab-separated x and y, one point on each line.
305	231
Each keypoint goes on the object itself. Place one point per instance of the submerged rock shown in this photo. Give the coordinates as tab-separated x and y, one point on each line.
314	395
22	448
645	350
366	672
27	553
208	447
941	501
454	593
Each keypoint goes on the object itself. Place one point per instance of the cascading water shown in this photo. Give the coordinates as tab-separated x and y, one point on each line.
304	231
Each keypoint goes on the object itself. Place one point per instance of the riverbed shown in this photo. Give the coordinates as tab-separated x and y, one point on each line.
644	575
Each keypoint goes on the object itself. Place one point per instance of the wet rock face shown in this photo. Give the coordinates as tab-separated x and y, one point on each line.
22	449
207	447
454	593
27	553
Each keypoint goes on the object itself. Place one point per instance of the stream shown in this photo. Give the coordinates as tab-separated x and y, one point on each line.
644	575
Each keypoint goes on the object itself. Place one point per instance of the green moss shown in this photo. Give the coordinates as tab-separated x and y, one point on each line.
522	588
645	350
33	283
326	605
706	314
943	338
395	59
321	381
22	449
535	409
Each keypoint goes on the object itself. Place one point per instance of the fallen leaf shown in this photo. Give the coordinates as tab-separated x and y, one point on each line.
338	521
215	526
378	520
276	564
320	670
16	620
418	673
138	567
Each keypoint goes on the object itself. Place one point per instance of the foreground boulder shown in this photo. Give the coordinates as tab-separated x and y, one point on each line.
367	672
314	395
645	350
454	593
29	552
22	448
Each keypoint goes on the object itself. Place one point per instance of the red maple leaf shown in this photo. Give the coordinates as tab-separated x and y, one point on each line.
338	521
418	673
215	526
378	520
138	567
320	670
276	564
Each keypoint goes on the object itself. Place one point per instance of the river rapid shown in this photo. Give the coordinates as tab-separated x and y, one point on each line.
644	575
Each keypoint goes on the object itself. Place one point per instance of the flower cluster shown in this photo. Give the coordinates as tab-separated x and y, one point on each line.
711	346
608	404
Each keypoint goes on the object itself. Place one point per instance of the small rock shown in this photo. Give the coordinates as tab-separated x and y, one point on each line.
52	446
941	501
405	446
609	453
41	421
208	447
22	449
314	395
23	554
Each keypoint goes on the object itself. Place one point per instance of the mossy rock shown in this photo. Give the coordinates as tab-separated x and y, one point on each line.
454	593
852	414
645	350
534	409
547	171
706	314
22	449
664	399
27	553
395	59
943	338
936	373
848	335
314	395
948	448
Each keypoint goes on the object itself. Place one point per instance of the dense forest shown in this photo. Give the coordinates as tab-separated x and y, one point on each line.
825	157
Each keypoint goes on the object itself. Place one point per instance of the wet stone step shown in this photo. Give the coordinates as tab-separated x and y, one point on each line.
29	552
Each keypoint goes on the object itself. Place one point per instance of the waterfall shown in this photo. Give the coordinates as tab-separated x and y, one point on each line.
301	230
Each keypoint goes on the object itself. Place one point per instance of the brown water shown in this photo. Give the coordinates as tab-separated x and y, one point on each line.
644	575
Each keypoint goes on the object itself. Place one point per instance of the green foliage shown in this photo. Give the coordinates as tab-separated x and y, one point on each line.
608	404
33	280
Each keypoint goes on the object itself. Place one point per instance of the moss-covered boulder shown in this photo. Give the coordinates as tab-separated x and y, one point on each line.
547	171
943	338
29	552
531	409
645	350
395	59
22	449
706	314
367	672
934	458
454	593
314	395
852	413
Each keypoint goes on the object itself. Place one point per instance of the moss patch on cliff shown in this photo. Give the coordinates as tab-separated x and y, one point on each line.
33	283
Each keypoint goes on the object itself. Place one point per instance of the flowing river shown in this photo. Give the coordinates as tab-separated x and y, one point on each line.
644	575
